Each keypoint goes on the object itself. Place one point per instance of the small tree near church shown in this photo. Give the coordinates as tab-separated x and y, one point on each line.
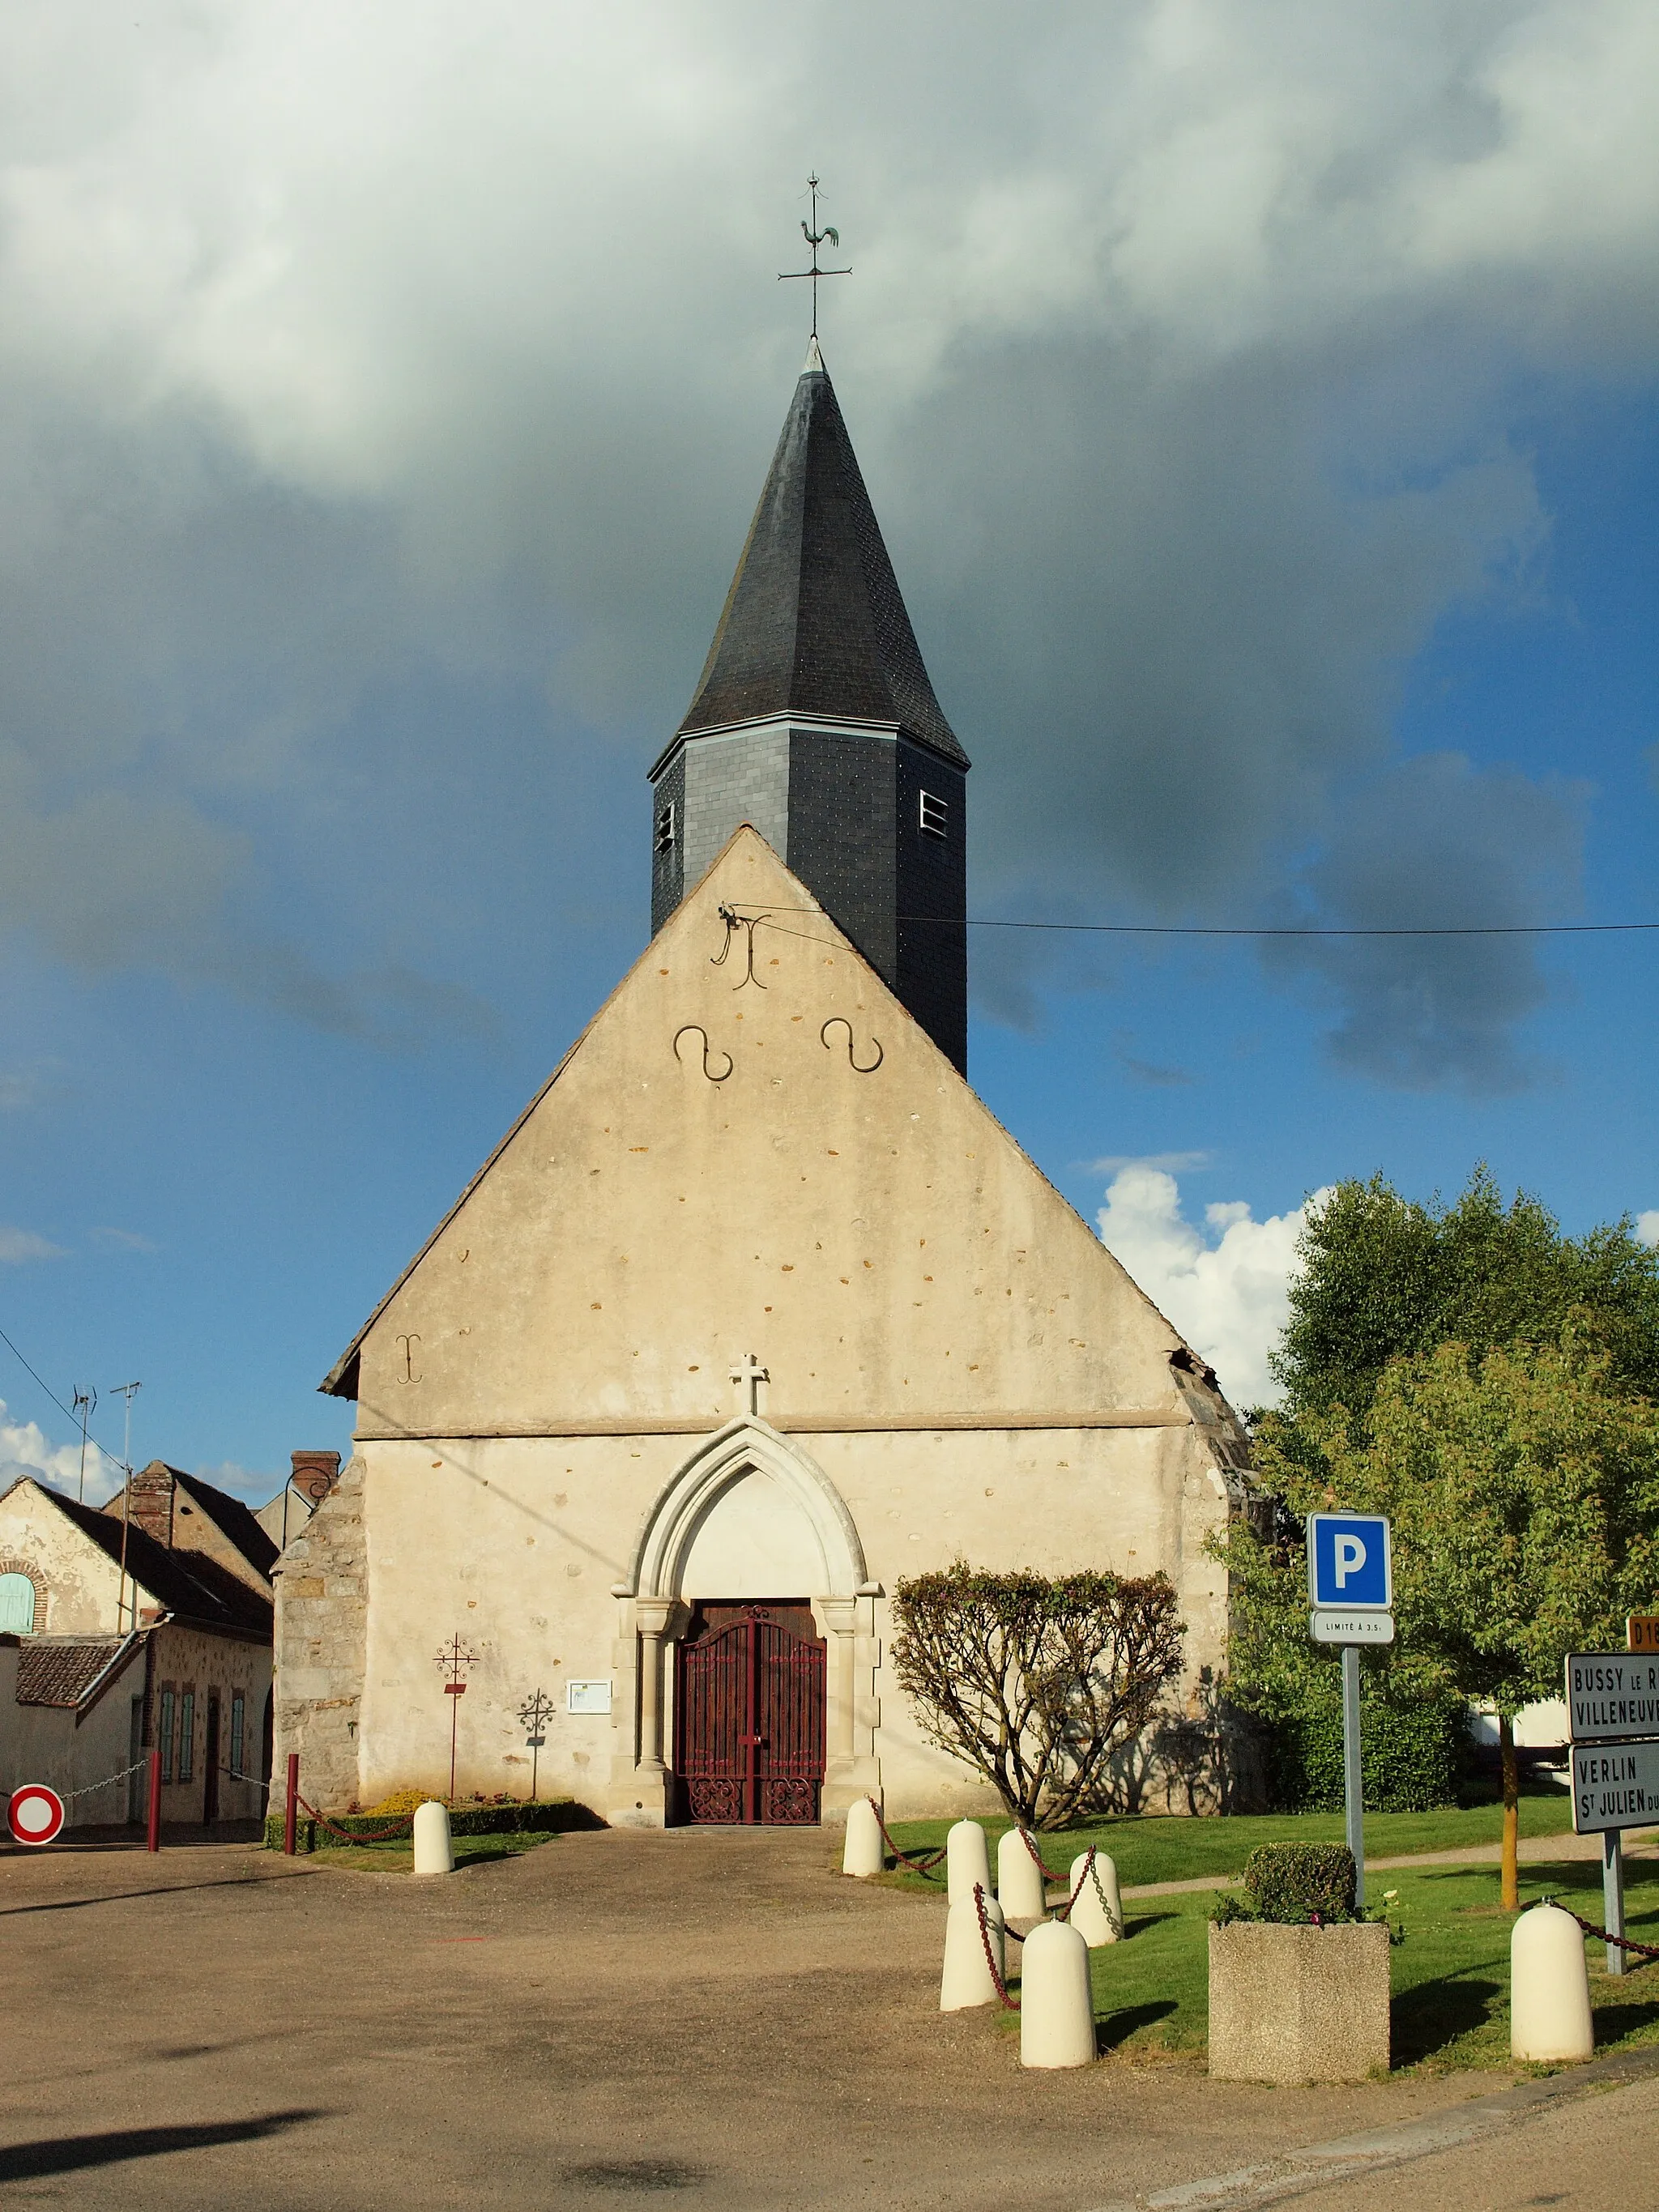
1032	1680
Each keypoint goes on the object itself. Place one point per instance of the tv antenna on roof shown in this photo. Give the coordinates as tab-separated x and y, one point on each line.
815	238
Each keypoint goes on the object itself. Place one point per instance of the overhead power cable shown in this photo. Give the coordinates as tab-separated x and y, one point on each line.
1269	929
55	1400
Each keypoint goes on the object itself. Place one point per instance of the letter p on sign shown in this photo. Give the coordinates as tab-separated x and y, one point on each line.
1348	1560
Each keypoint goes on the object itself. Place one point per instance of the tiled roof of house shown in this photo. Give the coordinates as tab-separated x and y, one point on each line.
184	1583
59	1670
238	1522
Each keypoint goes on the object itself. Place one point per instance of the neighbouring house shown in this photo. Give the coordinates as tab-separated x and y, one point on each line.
314	1474
142	1623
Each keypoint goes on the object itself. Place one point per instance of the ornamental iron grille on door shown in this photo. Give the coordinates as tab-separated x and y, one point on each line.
749	1716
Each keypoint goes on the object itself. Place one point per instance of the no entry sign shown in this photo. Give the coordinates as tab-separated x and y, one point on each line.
35	1814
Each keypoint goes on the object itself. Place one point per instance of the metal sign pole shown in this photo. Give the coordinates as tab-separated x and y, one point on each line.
1352	1781
1612	1895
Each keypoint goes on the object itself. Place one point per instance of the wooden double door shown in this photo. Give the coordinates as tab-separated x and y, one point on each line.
749	1714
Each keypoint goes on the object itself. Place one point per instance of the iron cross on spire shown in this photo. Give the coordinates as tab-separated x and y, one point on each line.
815	238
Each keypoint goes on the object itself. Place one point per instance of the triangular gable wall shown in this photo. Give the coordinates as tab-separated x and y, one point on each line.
757	1153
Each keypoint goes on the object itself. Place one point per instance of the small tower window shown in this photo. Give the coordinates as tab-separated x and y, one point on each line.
17	1604
665	829
933	816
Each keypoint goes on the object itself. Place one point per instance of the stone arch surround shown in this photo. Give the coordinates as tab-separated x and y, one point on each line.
655	1609
698	1484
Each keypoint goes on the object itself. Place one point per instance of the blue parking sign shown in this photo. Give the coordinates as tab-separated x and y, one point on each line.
1348	1560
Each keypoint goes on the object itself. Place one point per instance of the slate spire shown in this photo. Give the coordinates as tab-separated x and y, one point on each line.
814	721
814	622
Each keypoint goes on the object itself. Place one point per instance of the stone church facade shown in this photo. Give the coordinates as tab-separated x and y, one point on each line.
757	1310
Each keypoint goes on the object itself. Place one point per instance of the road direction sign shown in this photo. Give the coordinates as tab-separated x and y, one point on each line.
1336	1624
1615	1786
1349	1562
1642	1631
1612	1697
35	1814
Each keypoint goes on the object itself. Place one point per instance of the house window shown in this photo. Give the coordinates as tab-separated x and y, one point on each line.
166	1734
665	829
237	1712
933	816
17	1605
188	1736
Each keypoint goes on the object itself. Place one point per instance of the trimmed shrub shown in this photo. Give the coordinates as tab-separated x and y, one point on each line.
1294	1883
550	1816
1414	1753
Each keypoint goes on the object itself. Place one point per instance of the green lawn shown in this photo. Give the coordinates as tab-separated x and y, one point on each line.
398	1856
1161	1847
1451	1975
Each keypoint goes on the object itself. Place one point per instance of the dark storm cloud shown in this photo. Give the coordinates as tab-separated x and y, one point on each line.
1436	842
386	395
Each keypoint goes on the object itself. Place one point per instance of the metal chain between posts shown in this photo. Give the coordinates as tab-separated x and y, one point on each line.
1105	1902
1624	1943
914	1860
1009	2004
1047	1872
91	1789
1064	1911
404	1825
264	1787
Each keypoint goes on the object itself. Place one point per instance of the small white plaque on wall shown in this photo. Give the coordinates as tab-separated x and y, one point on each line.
587	1697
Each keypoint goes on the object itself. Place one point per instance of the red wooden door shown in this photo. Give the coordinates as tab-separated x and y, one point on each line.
749	1716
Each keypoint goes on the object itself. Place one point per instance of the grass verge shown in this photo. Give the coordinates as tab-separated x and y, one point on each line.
1450	1976
1164	1847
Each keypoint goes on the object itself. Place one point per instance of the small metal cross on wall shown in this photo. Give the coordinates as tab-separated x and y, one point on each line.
535	1712
749	1375
815	238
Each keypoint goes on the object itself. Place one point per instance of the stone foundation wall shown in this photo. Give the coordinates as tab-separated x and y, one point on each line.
321	1583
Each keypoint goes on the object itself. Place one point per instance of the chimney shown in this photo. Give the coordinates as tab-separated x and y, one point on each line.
149	1501
315	1473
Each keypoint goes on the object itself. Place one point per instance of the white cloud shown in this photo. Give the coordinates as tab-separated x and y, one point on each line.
25	1448
1647	1227
1226	1292
17	1245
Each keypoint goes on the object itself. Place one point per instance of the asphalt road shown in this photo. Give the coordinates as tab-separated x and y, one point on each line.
712	2020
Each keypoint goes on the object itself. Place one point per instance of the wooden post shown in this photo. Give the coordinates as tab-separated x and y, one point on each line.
153	1833
290	1817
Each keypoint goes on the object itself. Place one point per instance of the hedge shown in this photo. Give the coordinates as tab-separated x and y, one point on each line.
547	1816
1413	1754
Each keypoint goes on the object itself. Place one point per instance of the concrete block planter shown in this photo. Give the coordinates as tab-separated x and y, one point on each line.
1299	2004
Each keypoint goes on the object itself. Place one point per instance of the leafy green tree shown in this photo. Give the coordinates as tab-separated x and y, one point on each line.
1523	1490
1380	1277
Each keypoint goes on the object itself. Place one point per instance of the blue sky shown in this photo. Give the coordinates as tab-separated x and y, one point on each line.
1266	433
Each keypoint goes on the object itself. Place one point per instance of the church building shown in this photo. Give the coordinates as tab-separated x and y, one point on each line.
756	1309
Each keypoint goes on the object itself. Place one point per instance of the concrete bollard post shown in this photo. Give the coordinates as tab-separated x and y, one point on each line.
862	1853
432	1854
1056	2006
1096	1921
1549	1988
966	1979
966	1860
1020	1889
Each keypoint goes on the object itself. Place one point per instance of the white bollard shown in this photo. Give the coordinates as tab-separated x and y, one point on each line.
1549	1987
1056	2007
432	1854
1020	1888
1097	1916
967	1978
966	1860
862	1854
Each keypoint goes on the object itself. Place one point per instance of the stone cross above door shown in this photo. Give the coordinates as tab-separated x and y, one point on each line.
749	1375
